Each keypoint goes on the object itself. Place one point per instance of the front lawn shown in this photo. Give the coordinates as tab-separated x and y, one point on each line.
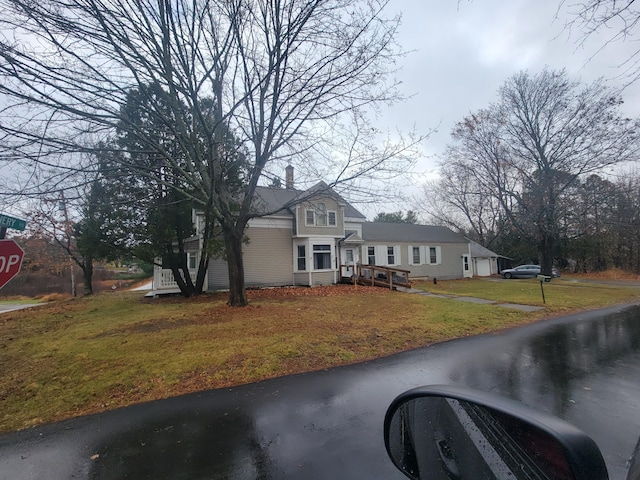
562	294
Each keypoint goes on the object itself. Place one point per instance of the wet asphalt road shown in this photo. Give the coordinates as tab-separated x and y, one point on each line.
325	425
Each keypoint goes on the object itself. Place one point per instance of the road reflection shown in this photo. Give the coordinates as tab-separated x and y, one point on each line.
184	446
551	365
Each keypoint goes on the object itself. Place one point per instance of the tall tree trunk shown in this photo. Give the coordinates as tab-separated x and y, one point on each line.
233	236
203	267
87	271
180	272
547	250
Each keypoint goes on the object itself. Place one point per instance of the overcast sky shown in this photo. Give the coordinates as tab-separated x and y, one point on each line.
463	52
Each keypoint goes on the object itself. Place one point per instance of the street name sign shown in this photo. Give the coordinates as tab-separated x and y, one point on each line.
10	260
12	222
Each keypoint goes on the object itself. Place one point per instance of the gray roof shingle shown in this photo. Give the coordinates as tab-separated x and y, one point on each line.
408	232
270	199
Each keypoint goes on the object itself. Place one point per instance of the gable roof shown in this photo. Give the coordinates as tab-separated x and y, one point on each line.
478	251
408	232
273	199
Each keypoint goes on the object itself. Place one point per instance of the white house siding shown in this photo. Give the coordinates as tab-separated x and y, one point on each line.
323	278
448	263
268	257
218	274
301	278
315	278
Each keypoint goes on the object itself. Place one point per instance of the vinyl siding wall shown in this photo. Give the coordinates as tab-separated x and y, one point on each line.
268	260
316	278
448	263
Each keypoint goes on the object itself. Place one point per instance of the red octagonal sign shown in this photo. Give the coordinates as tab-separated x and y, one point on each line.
10	260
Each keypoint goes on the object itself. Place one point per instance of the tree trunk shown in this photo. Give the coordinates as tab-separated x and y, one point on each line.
547	250
180	272
233	245
203	266
87	271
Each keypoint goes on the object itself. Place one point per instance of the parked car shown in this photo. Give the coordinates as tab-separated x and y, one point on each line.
526	271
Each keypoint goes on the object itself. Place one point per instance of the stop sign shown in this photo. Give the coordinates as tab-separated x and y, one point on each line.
10	260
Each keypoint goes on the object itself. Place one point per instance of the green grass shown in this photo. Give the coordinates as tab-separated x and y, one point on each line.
561	294
96	353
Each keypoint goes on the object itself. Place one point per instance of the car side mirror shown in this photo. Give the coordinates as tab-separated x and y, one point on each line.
445	432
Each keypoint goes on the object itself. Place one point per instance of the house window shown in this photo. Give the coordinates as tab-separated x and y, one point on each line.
433	257
302	257
415	253
371	255
310	217
192	261
391	257
322	257
321	215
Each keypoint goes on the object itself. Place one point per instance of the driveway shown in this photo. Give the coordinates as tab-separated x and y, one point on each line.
9	307
328	424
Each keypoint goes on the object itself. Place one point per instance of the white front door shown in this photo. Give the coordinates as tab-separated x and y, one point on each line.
349	257
466	267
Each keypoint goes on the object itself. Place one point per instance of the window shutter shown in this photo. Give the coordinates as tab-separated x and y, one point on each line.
381	255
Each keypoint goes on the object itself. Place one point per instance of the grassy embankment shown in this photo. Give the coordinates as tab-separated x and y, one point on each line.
96	353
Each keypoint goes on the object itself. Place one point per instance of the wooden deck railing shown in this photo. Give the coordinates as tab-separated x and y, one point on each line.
376	275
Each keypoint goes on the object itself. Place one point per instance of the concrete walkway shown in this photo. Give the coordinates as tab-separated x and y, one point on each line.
481	301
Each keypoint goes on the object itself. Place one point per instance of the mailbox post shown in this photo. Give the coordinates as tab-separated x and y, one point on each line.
543	279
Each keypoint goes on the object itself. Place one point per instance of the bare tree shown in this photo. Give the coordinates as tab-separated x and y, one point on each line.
530	148
244	85
619	19
469	195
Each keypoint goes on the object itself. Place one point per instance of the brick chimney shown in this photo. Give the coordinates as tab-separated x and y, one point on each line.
289	177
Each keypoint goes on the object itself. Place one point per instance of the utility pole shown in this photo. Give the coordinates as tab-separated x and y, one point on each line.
67	233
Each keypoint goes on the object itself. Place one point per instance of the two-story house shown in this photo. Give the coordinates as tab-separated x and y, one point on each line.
315	237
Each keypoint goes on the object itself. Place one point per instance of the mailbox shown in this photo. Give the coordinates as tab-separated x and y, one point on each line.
544	278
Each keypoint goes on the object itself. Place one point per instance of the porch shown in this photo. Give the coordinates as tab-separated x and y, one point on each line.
163	278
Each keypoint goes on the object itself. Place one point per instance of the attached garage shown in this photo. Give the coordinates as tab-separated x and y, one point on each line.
482	267
484	261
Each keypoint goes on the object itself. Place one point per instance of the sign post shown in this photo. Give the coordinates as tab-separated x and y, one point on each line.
543	279
10	260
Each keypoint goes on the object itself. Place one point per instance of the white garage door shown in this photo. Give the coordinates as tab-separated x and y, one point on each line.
483	267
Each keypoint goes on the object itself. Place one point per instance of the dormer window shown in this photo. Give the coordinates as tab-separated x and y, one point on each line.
311	217
319	216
